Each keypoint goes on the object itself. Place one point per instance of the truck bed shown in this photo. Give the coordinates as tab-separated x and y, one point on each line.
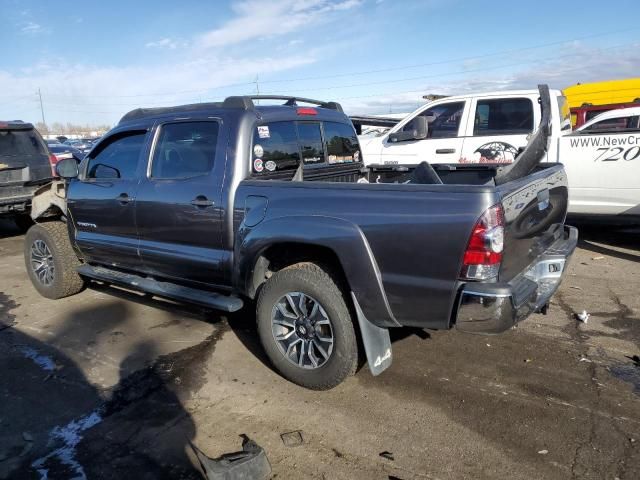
416	233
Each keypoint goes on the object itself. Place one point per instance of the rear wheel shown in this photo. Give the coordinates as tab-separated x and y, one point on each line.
51	262
305	327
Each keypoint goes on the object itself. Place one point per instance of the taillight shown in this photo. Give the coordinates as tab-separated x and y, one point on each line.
484	251
53	160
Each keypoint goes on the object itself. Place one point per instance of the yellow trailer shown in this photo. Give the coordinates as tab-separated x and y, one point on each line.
586	100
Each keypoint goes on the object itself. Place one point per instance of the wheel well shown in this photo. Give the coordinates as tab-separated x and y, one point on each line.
277	257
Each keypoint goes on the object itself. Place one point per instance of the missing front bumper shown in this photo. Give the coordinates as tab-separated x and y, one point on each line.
496	307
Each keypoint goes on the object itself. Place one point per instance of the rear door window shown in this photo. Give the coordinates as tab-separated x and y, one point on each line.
341	143
185	150
503	116
275	148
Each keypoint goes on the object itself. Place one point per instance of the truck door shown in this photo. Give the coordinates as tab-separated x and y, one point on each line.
602	162
497	128
101	202
443	143
178	208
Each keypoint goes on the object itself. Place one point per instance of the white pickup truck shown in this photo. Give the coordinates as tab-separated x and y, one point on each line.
492	127
602	161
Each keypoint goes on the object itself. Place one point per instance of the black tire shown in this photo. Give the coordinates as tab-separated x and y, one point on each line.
23	222
65	280
313	281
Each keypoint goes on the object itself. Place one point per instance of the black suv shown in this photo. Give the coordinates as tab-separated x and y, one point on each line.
24	166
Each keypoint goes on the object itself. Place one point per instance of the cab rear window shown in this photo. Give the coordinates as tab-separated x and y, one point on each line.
279	147
342	143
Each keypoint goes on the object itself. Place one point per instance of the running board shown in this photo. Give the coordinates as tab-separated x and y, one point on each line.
162	289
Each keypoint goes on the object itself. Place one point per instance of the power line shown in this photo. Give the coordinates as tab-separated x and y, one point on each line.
357	73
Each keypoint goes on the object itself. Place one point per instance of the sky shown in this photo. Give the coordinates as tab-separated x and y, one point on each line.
94	61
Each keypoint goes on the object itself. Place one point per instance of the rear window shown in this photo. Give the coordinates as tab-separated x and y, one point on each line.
504	116
342	143
279	146
275	148
310	138
17	143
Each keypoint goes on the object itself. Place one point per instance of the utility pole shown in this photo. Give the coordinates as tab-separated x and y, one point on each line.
41	108
257	82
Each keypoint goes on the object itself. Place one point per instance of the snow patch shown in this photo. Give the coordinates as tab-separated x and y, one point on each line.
70	435
44	362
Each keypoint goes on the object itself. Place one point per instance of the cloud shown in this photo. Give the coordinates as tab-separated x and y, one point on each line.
31	28
258	18
580	64
81	93
163	43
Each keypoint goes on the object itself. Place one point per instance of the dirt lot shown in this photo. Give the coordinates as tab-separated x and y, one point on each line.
112	384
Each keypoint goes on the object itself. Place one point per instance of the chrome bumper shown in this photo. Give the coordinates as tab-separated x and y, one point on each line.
496	307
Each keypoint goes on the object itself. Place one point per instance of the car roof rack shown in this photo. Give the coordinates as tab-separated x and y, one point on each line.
247	101
243	102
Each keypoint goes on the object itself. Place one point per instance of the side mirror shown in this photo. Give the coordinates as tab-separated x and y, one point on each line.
67	168
419	131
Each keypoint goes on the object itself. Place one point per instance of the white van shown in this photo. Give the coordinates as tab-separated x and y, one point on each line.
474	128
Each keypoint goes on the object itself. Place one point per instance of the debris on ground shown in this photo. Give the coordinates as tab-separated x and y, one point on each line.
292	439
584	359
527	360
583	316
543	452
597	258
575	287
387	455
250	463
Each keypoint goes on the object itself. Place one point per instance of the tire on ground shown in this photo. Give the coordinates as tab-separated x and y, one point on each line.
314	281
66	280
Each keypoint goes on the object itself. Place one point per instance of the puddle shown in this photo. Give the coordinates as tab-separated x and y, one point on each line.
629	374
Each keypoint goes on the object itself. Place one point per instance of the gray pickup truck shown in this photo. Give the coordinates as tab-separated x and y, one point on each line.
232	203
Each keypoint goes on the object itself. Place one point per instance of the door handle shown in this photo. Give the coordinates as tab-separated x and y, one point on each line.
123	198
201	201
445	150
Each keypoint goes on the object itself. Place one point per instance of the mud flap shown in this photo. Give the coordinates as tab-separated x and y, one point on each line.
376	340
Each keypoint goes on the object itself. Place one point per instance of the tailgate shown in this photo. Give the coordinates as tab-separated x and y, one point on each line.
535	207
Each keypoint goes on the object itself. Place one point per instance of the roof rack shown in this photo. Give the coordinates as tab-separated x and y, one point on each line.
290	101
244	102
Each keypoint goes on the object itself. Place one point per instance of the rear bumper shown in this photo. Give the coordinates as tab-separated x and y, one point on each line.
496	307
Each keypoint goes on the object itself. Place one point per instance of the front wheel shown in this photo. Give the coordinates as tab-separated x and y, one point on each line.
51	262
305	327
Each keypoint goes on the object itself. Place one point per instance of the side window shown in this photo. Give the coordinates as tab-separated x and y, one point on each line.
184	150
117	158
275	148
504	116
342	143
444	120
310	137
620	124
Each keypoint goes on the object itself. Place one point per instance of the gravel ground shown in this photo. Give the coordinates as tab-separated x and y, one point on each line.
114	384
